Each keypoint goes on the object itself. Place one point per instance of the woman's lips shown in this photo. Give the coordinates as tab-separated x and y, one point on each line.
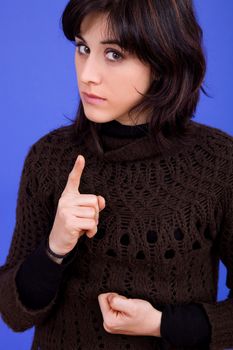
92	99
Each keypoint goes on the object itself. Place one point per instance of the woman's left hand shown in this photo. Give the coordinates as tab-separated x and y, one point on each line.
129	316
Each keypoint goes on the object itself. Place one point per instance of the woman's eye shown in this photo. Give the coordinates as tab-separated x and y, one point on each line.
82	49
114	56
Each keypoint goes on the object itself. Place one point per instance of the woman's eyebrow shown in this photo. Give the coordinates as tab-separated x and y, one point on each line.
104	42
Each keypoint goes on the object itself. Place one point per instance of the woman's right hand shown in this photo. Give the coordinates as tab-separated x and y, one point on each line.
76	213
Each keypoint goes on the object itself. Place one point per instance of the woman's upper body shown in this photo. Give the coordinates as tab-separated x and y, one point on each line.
167	219
166	223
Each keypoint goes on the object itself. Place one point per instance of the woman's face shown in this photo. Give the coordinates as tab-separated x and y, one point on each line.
106	71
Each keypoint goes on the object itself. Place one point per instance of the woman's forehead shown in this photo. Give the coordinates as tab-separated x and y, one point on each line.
96	21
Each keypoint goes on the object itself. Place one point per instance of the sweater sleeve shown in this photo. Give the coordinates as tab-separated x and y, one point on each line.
185	325
38	279
220	313
34	219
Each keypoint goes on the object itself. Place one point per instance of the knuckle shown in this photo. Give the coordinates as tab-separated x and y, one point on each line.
73	233
105	327
62	201
90	235
134	307
108	327
95	231
93	212
93	224
94	199
62	213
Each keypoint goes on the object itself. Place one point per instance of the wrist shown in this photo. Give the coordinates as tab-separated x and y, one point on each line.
53	258
53	254
54	248
156	322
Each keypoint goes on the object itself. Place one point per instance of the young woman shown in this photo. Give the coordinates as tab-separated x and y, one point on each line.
123	215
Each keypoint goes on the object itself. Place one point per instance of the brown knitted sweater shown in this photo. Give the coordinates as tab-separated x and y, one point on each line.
167	222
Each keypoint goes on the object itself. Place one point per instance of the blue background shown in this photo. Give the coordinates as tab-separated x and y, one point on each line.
38	89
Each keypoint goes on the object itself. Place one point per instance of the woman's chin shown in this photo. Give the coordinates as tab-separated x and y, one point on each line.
97	118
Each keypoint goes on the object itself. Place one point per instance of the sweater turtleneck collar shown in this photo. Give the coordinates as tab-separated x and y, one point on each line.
131	142
116	129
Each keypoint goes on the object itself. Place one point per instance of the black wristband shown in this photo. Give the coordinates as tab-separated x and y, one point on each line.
58	256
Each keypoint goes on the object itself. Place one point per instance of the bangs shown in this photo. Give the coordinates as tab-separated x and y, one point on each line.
121	23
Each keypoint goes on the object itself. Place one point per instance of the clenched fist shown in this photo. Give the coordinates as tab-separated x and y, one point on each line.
77	214
129	316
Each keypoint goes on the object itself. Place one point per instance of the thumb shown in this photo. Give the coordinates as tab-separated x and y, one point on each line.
101	202
118	302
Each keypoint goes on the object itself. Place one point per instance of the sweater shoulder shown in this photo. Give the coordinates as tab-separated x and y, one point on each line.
46	152
56	138
213	151
44	158
215	140
53	143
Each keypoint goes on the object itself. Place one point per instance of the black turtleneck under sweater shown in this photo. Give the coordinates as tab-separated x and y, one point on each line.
39	277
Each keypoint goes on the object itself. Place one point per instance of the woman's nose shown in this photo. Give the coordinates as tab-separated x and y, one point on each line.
90	71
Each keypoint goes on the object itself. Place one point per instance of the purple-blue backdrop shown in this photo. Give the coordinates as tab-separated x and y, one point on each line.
38	88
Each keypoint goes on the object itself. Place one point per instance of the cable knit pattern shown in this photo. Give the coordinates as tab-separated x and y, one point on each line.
167	221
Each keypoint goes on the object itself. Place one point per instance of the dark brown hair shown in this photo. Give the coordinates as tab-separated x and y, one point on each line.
165	34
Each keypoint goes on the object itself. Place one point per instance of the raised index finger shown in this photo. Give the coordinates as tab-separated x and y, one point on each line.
73	181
